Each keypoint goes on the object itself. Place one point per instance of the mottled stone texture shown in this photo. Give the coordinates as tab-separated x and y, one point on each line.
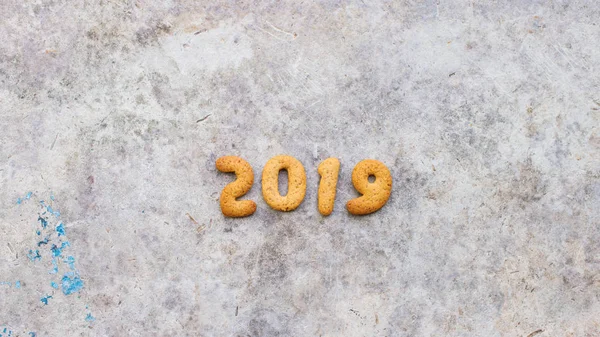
487	115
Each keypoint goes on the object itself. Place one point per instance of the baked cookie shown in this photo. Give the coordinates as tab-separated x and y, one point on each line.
296	183
375	194
328	170
245	178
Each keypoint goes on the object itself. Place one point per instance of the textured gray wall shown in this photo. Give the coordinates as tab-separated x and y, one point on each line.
113	113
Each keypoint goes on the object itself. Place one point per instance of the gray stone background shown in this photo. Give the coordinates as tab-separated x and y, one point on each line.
114	112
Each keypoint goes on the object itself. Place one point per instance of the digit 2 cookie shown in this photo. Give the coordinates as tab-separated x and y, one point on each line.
245	178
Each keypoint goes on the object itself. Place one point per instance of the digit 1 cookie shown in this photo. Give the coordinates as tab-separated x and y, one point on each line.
375	194
296	183
245	178
328	170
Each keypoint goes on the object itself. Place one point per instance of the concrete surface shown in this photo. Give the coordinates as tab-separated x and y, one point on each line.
114	112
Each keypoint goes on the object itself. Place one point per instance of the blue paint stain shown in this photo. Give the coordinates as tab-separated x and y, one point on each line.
6	331
55	250
34	255
58	251
53	212
43	221
70	261
71	283
45	299
32	334
55	266
60	229
90	318
26	197
8	283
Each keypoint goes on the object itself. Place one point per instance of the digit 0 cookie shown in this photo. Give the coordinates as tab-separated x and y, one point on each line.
296	183
375	194
245	178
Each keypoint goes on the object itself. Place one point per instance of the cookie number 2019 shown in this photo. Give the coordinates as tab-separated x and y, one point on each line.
374	194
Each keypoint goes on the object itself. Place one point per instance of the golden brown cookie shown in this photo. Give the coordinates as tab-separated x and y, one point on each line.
328	170
375	194
296	183
245	178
